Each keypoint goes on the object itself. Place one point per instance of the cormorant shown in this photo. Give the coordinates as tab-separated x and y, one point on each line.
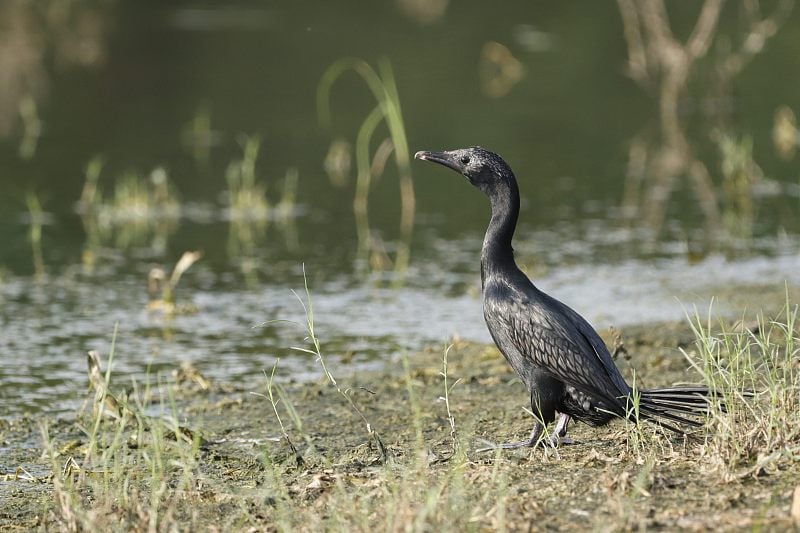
560	357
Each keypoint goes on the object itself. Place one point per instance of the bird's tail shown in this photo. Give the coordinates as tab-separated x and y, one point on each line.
684	405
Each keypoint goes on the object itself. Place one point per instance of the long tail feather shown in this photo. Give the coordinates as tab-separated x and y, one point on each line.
657	405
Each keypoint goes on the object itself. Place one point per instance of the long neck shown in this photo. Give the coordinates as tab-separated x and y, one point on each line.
497	253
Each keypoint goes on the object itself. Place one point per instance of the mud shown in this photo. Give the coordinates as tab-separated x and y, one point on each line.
244	474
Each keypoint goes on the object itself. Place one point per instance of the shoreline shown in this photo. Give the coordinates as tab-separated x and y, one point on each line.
236	468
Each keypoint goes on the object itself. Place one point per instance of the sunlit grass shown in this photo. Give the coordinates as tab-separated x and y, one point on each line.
315	350
133	468
276	397
753	435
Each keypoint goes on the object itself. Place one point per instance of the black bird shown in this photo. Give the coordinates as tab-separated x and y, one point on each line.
557	354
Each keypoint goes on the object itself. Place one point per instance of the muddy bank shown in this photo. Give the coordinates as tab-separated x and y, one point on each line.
200	455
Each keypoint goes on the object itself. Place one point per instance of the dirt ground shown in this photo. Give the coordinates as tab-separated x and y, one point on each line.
244	476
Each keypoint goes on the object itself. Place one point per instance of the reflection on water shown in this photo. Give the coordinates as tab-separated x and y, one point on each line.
249	212
132	133
36	221
68	32
784	133
663	63
741	178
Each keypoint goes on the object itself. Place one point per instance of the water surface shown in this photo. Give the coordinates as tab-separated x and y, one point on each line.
180	88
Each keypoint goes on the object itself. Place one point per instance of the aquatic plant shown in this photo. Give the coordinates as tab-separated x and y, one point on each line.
31	127
370	165
89	193
785	135
250	212
198	137
247	199
162	289
740	177
36	214
338	161
499	70
138	210
285	210
86	208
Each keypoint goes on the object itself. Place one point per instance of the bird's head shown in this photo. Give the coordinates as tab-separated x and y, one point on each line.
484	169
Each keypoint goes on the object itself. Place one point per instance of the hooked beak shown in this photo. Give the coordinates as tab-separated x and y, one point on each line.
443	158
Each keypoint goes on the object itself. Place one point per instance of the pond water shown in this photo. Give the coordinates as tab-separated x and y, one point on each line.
164	103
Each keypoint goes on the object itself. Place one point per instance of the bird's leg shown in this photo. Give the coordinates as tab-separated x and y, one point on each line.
559	434
532	441
561	426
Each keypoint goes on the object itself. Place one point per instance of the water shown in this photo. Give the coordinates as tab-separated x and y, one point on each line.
148	86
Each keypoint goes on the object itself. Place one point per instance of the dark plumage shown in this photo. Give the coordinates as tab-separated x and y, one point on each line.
557	354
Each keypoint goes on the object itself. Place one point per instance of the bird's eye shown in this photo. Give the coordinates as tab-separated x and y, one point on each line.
465	160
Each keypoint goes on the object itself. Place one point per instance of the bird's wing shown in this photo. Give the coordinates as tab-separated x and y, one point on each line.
554	345
576	321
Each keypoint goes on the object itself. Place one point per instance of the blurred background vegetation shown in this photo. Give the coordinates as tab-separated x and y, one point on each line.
268	134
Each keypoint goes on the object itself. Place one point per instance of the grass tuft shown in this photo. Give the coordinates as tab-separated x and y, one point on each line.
755	373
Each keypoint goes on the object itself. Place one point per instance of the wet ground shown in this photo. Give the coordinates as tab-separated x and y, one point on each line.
241	473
